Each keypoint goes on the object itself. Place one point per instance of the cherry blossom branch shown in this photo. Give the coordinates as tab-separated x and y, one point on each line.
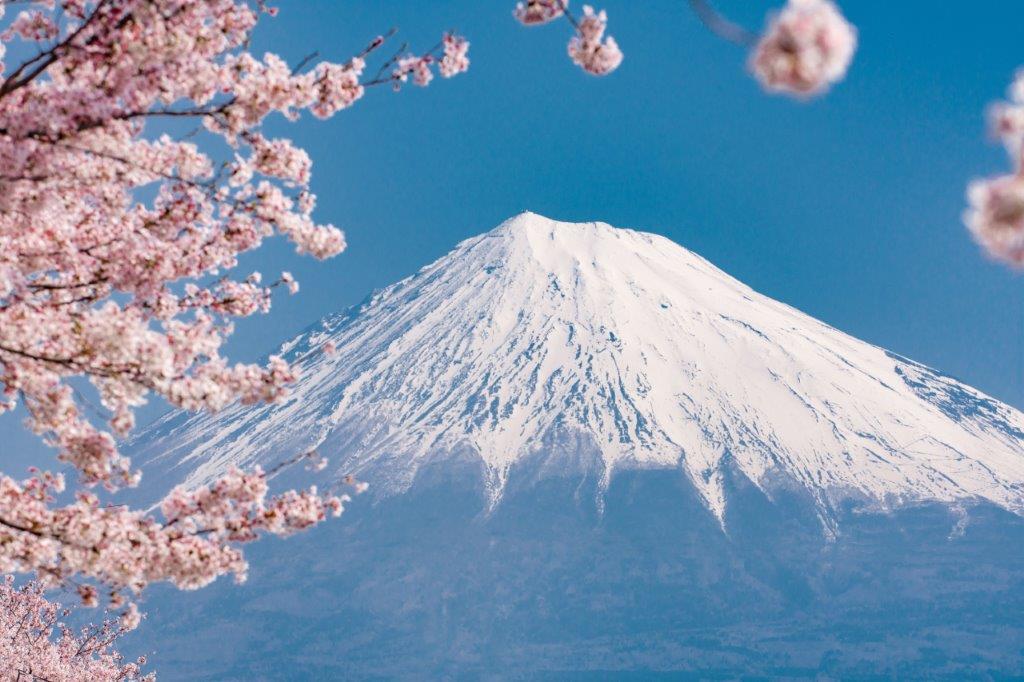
194	544
588	48
129	294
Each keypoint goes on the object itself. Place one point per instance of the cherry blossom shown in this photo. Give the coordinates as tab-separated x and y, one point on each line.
806	48
418	67
289	281
1006	119
539	11
36	645
117	257
455	59
589	49
995	216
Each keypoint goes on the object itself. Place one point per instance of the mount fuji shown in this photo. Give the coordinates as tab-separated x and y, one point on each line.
591	451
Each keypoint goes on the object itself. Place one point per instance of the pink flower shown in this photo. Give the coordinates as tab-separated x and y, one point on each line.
1007	123
34	26
996	217
358	486
587	50
130	618
280	159
337	87
87	593
806	48
289	281
418	67
317	462
1006	119
455	59
534	12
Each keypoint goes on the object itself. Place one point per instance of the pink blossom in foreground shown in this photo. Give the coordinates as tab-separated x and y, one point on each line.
996	217
117	250
36	645
589	49
806	48
533	12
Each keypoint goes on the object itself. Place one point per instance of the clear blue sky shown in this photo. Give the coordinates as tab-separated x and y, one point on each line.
847	208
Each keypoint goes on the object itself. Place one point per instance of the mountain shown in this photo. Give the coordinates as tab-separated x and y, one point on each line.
592	450
616	350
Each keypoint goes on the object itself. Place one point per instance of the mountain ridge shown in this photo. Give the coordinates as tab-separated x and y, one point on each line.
621	344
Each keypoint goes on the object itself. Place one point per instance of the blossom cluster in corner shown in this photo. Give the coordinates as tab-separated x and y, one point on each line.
534	12
117	251
35	643
590	49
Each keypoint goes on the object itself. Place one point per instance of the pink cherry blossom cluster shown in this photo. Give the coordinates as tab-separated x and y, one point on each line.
589	48
36	645
995	216
454	60
539	11
114	249
806	48
125	550
456	56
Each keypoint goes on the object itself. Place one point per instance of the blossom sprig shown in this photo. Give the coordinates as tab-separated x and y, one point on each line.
588	48
117	250
995	215
450	56
196	540
532	12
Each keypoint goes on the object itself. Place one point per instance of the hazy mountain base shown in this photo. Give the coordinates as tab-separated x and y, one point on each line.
426	585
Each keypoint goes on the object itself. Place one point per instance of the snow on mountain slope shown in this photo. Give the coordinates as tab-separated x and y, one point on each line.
621	345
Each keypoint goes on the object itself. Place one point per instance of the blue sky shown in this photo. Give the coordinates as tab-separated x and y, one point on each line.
847	207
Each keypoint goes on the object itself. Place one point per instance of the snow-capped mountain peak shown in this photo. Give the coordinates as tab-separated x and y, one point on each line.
620	349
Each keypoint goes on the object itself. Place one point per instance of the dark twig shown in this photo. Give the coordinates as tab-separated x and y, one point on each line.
721	26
